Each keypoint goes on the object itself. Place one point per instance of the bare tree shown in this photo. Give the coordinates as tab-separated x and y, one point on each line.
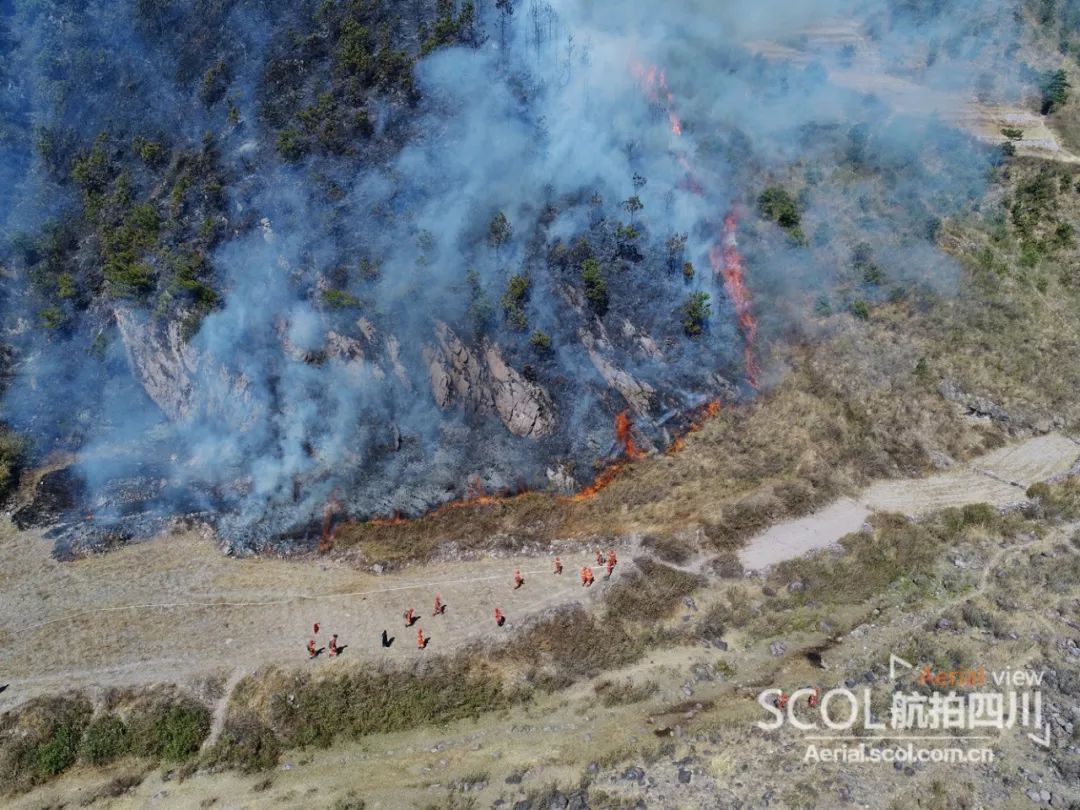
506	11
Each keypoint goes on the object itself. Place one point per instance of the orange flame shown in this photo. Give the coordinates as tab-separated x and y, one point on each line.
603	478
396	520
708	411
622	433
326	537
654	82
631	452
728	264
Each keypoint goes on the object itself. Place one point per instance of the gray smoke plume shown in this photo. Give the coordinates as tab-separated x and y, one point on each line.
360	350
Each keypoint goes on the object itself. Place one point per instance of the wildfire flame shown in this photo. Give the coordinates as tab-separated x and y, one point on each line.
708	411
655	84
724	254
728	264
475	492
603	478
622	433
326	537
396	520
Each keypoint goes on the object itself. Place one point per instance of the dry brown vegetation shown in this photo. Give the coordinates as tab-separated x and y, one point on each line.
860	401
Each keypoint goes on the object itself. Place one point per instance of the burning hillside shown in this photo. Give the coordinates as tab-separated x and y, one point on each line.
278	298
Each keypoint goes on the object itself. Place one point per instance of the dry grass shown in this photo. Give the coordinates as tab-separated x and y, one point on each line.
858	399
277	709
650	594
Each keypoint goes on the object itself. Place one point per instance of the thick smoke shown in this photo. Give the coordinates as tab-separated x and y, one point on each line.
349	284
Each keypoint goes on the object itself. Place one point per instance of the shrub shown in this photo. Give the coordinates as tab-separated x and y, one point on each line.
695	313
621	693
290	145
571	644
365	702
651	595
540	341
499	231
106	739
595	286
52	317
514	299
245	744
860	309
40	740
149	152
776	204
12	454
1055	91
171	730
340	299
668	548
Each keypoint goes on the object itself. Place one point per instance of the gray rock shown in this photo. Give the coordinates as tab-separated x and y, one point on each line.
778	648
634	774
482	380
524	804
166	366
796	586
684	776
1034	795
578	801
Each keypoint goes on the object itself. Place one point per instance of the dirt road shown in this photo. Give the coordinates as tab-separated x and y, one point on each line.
999	478
177	610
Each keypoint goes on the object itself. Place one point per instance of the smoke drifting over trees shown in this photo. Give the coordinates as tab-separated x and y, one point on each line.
257	258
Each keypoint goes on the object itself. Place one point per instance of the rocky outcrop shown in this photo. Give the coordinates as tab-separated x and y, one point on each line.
484	382
971	404
161	361
638	395
168	367
344	348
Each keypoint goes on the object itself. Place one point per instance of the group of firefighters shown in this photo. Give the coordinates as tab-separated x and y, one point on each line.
411	618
